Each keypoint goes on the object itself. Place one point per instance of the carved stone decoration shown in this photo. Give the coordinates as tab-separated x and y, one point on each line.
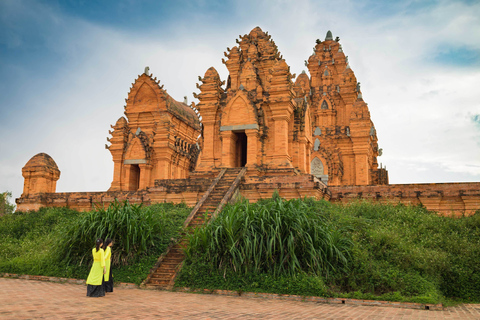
318	131
317	169
316	145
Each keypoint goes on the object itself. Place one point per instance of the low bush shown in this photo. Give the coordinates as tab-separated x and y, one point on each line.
203	276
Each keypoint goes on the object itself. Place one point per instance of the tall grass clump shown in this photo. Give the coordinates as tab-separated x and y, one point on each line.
58	241
133	229
275	237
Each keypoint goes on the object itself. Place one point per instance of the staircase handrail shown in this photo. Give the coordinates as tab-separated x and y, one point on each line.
228	195
185	224
204	198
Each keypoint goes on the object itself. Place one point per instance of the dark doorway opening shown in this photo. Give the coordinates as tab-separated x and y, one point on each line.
134	181
241	149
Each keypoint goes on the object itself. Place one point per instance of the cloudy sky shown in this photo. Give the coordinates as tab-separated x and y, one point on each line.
66	68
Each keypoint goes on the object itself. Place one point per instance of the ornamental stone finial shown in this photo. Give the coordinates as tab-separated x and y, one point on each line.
147	69
329	36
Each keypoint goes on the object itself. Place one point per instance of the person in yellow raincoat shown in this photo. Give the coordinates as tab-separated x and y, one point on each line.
107	246
95	286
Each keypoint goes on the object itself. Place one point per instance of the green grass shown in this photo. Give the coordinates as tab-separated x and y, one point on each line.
58	241
303	247
384	251
277	237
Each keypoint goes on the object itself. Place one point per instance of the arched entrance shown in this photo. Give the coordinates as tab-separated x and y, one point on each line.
240	149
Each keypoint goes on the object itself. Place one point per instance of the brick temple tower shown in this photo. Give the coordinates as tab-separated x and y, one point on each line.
158	141
41	175
319	124
261	131
256	121
345	148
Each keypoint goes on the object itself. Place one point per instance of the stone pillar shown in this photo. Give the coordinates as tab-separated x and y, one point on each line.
228	148
208	158
362	172
145	174
281	157
302	156
252	147
127	177
117	174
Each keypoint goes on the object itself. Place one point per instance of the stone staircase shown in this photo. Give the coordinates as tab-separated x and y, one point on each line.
222	189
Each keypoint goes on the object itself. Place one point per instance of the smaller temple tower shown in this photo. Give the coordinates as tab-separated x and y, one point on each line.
41	174
157	139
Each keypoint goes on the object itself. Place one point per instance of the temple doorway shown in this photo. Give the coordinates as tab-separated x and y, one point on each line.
134	178
241	149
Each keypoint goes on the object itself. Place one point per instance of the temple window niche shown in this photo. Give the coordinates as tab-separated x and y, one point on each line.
317	169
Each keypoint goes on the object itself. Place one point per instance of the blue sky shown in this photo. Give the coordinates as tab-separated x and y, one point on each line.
67	66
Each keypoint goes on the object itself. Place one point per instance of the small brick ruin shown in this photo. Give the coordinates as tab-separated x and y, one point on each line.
309	135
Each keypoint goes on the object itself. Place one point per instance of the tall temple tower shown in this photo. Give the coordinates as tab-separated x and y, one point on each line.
319	124
345	148
256	121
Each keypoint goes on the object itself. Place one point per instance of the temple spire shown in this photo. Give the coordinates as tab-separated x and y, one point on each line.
329	36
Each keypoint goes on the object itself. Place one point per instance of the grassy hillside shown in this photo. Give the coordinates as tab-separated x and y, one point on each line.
58	241
361	250
304	247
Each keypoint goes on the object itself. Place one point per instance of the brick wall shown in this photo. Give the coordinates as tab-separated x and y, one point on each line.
444	198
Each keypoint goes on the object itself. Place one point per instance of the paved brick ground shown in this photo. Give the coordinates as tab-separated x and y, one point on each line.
28	299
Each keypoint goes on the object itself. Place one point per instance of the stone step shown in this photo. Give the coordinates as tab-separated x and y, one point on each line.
195	224
210	204
162	275
174	257
169	264
177	251
173	260
166	269
155	286
214	198
160	282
